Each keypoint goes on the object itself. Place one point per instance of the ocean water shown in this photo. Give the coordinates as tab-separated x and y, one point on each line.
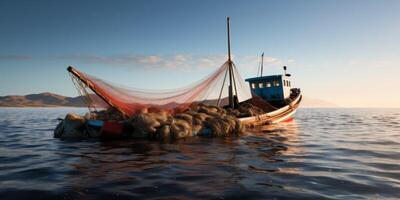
322	154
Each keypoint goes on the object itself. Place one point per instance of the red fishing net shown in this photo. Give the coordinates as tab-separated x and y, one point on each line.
212	90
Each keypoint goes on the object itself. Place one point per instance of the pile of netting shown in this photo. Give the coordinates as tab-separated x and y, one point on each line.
200	109
198	120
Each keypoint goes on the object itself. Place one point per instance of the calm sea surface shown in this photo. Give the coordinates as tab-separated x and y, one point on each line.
323	154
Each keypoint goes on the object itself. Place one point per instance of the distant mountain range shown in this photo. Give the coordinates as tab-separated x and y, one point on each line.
316	103
41	100
47	99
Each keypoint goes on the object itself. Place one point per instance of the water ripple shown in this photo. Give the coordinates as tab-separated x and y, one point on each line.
323	154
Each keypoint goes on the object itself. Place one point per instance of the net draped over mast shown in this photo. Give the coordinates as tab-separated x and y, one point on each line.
211	90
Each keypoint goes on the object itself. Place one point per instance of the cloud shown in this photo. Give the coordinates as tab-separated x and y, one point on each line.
155	61
291	61
177	61
382	64
15	57
254	62
375	63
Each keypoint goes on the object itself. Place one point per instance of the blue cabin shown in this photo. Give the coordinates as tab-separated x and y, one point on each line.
275	88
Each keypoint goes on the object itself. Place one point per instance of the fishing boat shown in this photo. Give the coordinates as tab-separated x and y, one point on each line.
262	100
277	91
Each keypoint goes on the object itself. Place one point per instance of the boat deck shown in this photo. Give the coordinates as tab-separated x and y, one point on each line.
278	115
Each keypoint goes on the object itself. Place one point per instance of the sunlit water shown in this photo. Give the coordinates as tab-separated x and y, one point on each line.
323	154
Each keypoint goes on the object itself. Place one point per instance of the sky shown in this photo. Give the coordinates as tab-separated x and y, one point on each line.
344	52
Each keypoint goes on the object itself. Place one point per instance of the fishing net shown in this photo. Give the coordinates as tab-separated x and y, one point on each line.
211	90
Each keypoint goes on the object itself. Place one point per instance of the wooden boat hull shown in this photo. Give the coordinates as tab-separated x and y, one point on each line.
276	116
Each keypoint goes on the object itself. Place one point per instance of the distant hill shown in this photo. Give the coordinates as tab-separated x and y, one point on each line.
41	100
316	103
47	99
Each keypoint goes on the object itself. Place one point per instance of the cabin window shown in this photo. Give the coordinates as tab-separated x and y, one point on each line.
289	83
253	85
276	83
260	85
268	84
284	83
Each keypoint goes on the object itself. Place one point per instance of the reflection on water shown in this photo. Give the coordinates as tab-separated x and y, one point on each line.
324	154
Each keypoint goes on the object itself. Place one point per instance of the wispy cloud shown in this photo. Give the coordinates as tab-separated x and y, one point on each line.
155	61
15	57
254	62
177	61
378	63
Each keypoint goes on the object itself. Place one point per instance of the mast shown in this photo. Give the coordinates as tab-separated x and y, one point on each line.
262	64
230	68
229	39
